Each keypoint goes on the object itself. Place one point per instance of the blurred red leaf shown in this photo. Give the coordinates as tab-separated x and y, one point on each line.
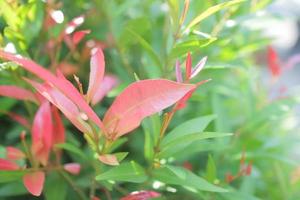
20	119
109	159
73	168
141	195
97	68
42	130
58	127
109	82
61	84
79	35
178	72
273	62
17	93
34	182
13	153
8	165
188	66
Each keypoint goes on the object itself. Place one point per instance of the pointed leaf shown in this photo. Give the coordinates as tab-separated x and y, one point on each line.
63	103
140	100
11	175
210	11
141	195
79	35
58	127
17	93
109	159
195	125
129	172
73	168
34	182
188	66
61	84
13	153
42	133
180	143
183	177
109	82
8	165
20	119
97	68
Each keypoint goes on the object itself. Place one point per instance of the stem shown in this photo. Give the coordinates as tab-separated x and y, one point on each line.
80	193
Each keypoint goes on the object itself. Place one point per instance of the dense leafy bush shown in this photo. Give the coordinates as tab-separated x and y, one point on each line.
183	111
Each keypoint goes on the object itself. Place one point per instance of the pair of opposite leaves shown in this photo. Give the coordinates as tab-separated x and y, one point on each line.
139	100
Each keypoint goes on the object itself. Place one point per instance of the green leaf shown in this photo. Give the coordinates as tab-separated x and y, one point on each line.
211	169
8	176
210	11
128	172
151	126
180	143
183	177
55	187
190	45
195	125
149	50
12	189
71	148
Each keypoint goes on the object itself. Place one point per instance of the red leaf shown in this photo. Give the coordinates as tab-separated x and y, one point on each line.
182	103
109	82
8	165
79	35
273	62
97	68
139	100
72	25
72	168
13	153
34	182
109	159
188	66
141	195
42	139
17	93
229	178
60	83
67	107
20	119
58	127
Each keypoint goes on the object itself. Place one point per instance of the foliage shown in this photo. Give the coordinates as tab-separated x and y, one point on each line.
91	108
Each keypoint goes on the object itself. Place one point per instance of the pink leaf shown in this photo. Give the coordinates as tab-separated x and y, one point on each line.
109	82
141	195
109	159
61	84
97	66
273	62
79	35
17	93
188	66
198	67
139	100
73	168
67	107
13	153
20	119
58	127
8	165
34	182
182	103
178	72
42	133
